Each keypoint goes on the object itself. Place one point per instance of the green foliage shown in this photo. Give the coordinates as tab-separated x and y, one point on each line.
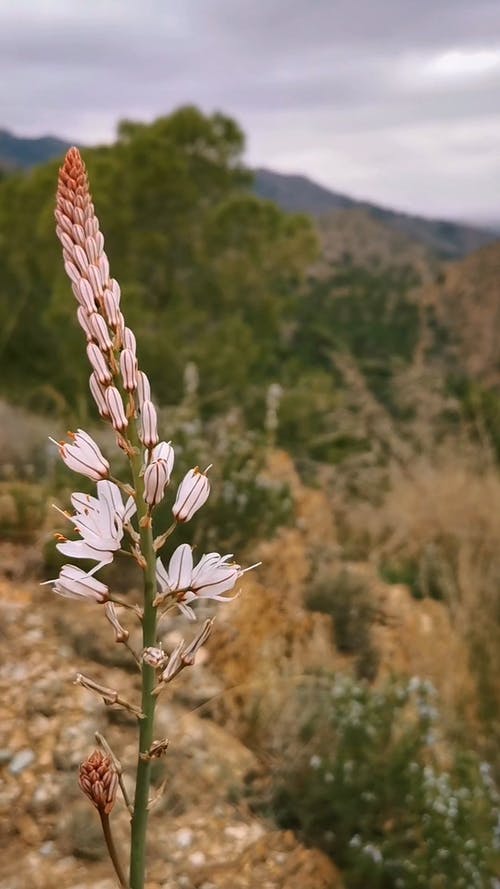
208	272
368	312
365	785
480	406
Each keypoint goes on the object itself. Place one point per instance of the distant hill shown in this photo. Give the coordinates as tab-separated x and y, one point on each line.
17	153
293	193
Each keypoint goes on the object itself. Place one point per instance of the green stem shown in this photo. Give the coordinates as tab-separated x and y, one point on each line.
108	837
143	776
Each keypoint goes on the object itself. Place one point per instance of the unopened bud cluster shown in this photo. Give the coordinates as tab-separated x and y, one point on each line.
99	781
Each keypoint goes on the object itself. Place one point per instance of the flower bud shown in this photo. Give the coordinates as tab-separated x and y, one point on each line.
129	340
72	271
156	478
99	395
154	657
85	295
115	409
83	318
128	367
115	289
111	308
98	363
94	276
100	332
164	451
99	781
104	268
192	493
79	235
81	258
143	389
91	250
149	425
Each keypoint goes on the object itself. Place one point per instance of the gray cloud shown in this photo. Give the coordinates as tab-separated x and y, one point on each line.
394	100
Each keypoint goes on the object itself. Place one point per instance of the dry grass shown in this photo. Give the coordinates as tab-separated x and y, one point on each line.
442	518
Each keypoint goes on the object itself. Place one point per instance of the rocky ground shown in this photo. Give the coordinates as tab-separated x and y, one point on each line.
204	835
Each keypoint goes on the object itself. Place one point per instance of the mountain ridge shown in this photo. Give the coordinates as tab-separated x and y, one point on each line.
293	193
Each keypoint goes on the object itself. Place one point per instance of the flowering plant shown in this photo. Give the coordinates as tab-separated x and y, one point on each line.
120	519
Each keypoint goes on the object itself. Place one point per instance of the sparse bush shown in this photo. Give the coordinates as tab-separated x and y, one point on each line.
359	776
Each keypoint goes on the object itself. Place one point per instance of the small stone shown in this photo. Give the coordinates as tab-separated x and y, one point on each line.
197	859
184	837
20	761
47	849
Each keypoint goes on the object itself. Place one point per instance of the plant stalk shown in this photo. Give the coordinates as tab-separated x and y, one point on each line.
143	775
108	837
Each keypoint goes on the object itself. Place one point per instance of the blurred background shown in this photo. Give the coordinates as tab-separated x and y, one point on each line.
301	202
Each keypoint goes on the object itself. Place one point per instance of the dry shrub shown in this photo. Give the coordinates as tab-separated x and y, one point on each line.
439	525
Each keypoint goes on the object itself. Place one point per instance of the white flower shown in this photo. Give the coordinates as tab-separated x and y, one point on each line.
212	576
192	493
100	522
149	425
178	577
84	456
73	583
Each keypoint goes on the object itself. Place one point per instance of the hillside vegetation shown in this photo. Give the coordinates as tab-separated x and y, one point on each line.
345	384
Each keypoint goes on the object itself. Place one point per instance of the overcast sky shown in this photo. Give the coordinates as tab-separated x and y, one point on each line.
397	101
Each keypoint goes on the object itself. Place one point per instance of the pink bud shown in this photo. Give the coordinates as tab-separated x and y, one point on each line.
129	341
149	425
111	308
156	478
192	493
128	367
104	268
83	318
99	395
100	332
85	295
143	389
72	271
94	276
79	235
98	363
81	258
91	250
115	409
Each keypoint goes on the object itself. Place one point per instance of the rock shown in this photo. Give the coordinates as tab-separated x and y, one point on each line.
20	761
